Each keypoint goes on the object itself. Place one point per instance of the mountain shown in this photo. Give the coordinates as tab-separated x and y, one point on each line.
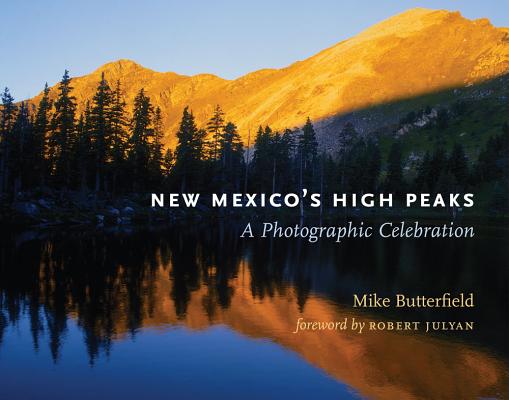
413	53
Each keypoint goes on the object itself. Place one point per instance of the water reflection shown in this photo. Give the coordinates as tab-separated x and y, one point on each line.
110	287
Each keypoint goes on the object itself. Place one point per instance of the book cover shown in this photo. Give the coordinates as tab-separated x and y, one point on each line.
256	200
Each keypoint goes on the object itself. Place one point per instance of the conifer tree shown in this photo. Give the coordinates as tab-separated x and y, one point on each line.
119	135
330	177
141	131
156	147
458	165
21	139
231	151
275	152
421	179
63	132
394	178
442	119
85	159
101	129
189	152
437	166
308	146
493	161
262	163
41	133
285	152
362	166
373	166
215	126
346	139
8	116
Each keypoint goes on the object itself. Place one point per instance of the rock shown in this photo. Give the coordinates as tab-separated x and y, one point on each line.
113	211
125	220
128	211
26	208
45	203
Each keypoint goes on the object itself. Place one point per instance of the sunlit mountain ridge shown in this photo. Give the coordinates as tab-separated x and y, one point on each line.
413	53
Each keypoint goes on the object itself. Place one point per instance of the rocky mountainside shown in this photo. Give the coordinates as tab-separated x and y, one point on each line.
419	51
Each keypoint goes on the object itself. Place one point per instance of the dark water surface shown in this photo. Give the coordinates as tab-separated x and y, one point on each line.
196	312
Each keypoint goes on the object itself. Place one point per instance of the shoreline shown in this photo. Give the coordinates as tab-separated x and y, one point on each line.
67	209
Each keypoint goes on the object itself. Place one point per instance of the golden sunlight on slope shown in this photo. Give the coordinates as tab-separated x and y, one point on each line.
416	52
380	365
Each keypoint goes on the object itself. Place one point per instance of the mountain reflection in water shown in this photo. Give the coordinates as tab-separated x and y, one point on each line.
191	299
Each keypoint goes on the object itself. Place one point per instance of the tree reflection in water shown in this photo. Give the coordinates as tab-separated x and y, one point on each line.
114	284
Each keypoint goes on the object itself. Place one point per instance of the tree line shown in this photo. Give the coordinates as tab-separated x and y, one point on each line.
105	149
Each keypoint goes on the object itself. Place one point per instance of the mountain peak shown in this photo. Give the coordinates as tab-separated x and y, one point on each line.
410	22
423	15
413	53
121	66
